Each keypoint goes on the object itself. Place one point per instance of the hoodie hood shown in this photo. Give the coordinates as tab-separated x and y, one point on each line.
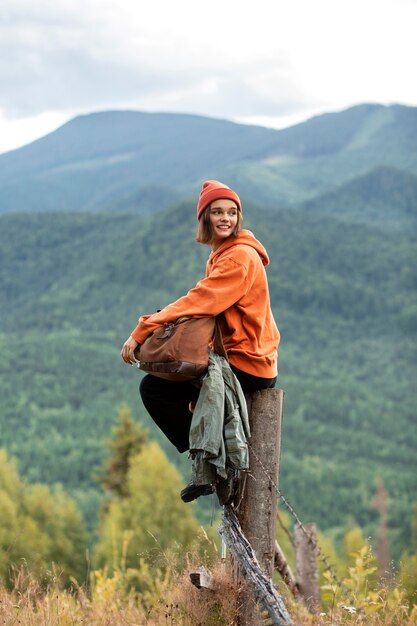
246	238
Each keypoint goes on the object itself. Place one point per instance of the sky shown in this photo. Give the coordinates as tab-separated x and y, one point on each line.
265	62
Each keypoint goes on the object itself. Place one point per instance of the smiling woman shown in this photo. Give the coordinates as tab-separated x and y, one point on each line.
235	290
220	218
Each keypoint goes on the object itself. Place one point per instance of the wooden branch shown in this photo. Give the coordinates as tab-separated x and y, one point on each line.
281	564
262	587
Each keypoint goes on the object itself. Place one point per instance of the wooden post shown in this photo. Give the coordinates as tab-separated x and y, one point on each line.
257	497
306	569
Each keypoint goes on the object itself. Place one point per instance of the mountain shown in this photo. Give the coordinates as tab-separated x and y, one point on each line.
144	162
96	159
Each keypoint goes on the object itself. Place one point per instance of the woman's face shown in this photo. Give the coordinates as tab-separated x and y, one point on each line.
223	220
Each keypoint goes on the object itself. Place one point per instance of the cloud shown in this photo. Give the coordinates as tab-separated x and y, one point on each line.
90	54
54	60
265	60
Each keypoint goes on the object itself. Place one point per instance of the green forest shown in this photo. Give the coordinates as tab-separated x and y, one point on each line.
344	298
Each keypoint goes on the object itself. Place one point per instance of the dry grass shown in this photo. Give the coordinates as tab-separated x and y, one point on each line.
176	601
345	614
169	599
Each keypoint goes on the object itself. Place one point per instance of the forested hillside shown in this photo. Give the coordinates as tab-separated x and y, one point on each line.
384	197
143	162
344	295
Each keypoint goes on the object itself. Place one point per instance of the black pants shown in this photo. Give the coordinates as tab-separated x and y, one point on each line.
167	402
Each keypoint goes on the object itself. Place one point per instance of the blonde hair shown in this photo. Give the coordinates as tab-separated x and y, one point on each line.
205	229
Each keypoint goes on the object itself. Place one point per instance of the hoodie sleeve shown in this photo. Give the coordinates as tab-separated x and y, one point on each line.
212	295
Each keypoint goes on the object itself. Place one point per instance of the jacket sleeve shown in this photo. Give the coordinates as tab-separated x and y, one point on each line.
212	295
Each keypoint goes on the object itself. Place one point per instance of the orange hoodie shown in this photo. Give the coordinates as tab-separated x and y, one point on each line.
236	287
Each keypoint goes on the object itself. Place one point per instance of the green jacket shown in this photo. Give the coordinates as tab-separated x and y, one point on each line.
220	424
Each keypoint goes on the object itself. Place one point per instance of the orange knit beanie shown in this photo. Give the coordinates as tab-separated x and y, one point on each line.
213	190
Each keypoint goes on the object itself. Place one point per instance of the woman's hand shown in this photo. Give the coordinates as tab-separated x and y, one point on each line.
128	350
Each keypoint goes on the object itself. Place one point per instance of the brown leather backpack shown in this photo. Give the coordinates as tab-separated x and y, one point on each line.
179	350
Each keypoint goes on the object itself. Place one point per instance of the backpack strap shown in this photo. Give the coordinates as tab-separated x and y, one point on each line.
218	345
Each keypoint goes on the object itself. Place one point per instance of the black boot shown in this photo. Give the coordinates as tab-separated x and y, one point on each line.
226	487
192	491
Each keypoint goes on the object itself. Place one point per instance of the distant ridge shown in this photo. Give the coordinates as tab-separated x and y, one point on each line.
385	194
134	161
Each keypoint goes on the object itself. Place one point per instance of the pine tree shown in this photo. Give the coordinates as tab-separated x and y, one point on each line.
151	514
128	439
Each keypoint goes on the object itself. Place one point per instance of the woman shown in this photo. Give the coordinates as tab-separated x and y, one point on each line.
236	290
